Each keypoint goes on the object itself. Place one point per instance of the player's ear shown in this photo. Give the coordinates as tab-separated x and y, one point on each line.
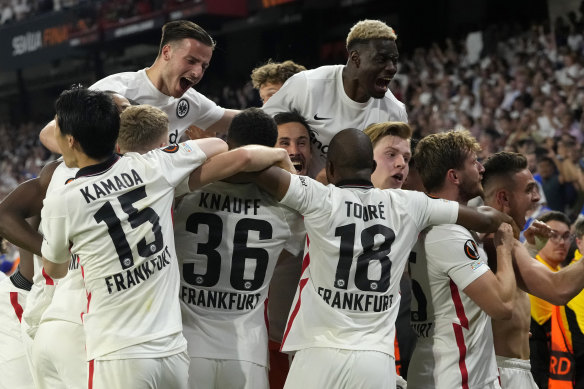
118	148
502	197
452	176
355	57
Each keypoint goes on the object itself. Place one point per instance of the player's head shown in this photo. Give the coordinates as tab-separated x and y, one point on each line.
509	185
121	102
579	234
142	128
184	54
252	126
373	56
88	122
349	157
269	78
556	248
294	136
450	159
391	151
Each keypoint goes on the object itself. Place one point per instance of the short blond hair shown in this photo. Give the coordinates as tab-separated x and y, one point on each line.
437	153
377	131
274	72
366	30
141	127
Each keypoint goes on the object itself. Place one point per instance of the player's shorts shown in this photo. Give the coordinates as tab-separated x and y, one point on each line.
136	373
206	373
322	368
515	373
279	365
14	368
58	355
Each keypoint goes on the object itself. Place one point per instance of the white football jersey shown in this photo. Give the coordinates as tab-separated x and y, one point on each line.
319	96
116	216
455	340
358	240
43	289
191	108
228	239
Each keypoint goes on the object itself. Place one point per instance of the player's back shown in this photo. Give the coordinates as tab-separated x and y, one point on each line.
358	239
229	238
455	339
117	215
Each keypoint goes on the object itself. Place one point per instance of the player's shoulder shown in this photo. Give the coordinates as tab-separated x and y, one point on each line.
327	72
447	232
118	80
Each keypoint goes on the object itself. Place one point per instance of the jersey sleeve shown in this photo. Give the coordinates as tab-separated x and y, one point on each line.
208	113
54	224
176	162
428	211
456	254
111	83
291	96
305	195
297	232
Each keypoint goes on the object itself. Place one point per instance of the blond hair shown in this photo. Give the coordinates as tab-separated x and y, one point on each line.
437	153
366	30
377	131
141	128
274	72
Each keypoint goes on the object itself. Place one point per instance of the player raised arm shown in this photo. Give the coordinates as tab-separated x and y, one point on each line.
248	158
493	293
483	219
47	137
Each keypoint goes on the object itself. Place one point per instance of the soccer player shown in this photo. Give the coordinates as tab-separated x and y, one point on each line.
228	239
454	290
116	213
509	187
269	78
354	95
184	55
357	243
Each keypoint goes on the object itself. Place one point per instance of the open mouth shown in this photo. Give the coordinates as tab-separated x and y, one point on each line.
298	165
398	177
382	83
186	83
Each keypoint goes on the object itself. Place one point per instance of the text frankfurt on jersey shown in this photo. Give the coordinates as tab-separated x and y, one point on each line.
231	301
116	183
139	273
360	302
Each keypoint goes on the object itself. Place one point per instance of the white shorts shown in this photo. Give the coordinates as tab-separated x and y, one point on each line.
139	373
515	373
205	373
58	355
322	368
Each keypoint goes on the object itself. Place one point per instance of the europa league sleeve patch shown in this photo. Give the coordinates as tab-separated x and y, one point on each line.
471	250
170	149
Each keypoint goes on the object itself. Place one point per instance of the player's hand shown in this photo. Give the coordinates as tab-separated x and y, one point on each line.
194	133
537	233
504	236
287	165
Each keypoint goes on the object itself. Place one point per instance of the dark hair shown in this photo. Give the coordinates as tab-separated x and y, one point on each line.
91	117
252	126
292	117
178	30
554	216
503	163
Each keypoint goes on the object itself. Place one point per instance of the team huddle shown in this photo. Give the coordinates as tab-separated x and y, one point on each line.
167	262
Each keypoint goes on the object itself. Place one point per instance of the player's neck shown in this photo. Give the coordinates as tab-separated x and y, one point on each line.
83	160
452	194
154	75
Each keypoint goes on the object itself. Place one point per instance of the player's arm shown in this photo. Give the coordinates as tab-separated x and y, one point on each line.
493	293
56	255
47	137
212	146
221	125
555	287
55	270
483	219
248	158
22	203
274	180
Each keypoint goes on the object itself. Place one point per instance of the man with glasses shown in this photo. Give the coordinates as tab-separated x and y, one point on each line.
543	313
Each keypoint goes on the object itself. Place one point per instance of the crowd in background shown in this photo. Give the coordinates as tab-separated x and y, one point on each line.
514	88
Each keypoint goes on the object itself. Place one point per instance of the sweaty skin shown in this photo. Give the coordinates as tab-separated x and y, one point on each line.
511	337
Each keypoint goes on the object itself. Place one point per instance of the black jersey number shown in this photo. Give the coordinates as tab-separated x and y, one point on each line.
370	253
136	218
241	252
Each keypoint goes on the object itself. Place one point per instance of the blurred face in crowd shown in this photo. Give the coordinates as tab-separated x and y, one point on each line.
185	64
557	246
392	154
376	63
545	169
268	89
294	138
523	197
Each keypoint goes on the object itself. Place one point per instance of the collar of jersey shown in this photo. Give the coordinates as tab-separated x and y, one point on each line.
355	183
97	169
